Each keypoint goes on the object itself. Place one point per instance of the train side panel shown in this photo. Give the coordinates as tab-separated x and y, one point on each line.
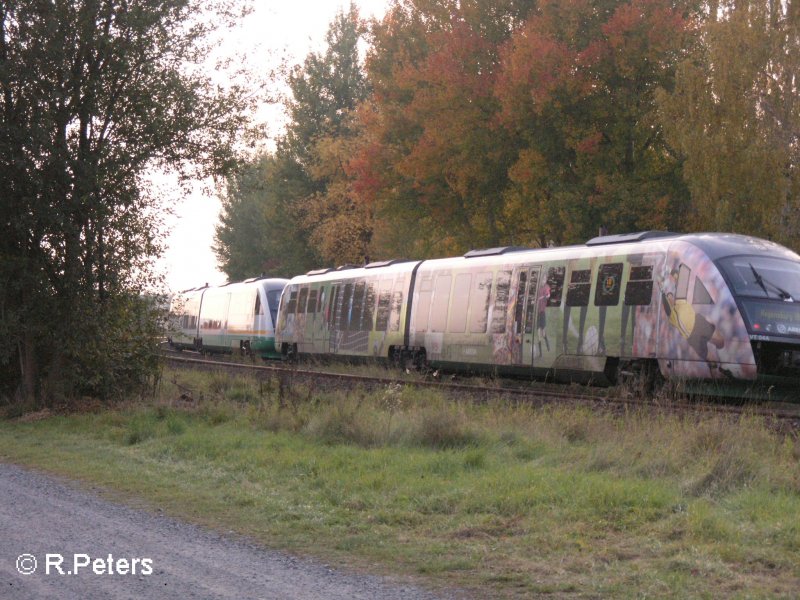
230	318
701	331
214	319
572	314
616	305
184	311
358	312
265	313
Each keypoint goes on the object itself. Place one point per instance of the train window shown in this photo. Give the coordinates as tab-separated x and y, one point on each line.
312	302
343	314
639	290
441	303
682	288
331	312
358	306
580	285
384	305
479	302
555	279
501	302
520	304
258	309
609	280
273	300
302	299
291	305
458	310
368	320
397	305
763	277
214	311
701	295
533	300
423	304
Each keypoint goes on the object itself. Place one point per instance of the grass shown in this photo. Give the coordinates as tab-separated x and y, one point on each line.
508	501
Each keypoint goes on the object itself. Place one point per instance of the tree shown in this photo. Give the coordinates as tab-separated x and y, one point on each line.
93	93
578	88
325	94
257	233
734	117
301	194
430	128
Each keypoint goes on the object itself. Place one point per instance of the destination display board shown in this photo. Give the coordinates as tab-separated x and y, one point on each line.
772	318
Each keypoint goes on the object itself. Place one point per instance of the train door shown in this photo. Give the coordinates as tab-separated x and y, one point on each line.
525	317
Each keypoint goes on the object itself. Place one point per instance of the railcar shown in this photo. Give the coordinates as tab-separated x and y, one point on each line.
233	317
702	308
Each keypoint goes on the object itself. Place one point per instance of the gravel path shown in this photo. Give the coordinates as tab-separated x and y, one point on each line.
41	516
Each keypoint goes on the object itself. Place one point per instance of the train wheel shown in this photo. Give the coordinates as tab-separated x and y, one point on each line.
638	379
290	352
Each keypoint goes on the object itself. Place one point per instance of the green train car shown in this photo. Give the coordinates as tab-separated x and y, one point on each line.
702	307
237	317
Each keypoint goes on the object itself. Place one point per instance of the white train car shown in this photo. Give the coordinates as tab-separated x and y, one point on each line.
234	317
702	307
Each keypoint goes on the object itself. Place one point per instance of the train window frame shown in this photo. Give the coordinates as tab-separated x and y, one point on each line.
396	313
357	310
701	290
330	311
384	305
302	300
640	286
312	295
579	289
532	302
459	311
440	303
423	303
345	301
519	305
682	285
291	303
555	279
502	296
370	301
609	282
480	296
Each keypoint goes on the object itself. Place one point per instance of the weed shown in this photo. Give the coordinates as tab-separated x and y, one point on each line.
509	500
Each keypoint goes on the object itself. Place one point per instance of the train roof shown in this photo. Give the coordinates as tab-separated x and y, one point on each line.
259	281
721	245
714	245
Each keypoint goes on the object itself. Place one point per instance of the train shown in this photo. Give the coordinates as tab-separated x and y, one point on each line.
236	317
717	309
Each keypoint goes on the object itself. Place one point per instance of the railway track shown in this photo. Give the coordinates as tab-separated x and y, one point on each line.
784	417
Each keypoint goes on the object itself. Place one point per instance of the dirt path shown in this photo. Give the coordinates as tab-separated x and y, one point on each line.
151	556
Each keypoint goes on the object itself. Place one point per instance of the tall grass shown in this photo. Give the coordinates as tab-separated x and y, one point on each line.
708	455
506	498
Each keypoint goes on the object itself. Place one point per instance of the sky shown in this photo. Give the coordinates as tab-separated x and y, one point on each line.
276	30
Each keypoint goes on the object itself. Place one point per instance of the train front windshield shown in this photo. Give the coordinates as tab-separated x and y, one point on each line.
273	299
769	292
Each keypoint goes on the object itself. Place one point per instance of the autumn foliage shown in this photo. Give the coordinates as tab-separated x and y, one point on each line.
522	122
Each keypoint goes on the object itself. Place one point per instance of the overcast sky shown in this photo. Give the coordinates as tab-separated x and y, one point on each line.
276	30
